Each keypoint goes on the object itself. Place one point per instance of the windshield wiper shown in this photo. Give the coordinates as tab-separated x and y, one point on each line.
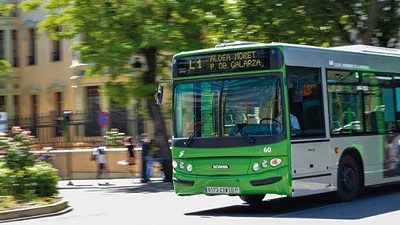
237	129
199	125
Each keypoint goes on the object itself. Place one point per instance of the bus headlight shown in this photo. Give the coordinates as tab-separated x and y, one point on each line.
276	161
256	166
264	163
182	165
174	164
189	168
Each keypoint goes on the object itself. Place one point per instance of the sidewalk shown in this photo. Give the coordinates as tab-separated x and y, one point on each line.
104	183
155	185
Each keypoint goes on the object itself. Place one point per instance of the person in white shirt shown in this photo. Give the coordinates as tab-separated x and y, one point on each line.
294	122
100	153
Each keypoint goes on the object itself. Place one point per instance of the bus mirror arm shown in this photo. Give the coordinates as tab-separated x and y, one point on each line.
159	95
160	90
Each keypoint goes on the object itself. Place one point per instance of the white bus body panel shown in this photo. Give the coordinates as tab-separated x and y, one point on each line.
315	165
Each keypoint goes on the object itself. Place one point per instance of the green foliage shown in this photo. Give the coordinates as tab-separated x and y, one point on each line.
114	137
21	174
43	179
17	159
154	149
5	67
5	173
39	180
6	9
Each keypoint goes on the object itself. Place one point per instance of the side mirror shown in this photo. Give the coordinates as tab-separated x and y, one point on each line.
159	95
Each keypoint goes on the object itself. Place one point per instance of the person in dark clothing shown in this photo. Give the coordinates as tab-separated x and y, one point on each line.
130	146
147	161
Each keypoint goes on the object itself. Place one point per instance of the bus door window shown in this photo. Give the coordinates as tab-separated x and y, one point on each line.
305	102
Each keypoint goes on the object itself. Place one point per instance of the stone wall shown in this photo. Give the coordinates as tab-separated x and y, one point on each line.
76	164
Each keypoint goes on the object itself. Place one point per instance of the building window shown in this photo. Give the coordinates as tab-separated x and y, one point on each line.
2	103
56	52
34	105
16	109
32	47
14	51
92	127
16	105
118	119
34	114
58	102
56	49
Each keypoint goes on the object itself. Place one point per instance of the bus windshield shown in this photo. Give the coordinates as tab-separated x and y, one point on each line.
244	107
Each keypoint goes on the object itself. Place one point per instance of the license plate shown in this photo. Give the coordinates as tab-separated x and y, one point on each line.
222	190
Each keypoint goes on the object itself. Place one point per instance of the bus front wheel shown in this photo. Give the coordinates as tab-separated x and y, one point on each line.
252	199
349	179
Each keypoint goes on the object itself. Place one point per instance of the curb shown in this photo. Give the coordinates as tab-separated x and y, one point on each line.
57	208
107	184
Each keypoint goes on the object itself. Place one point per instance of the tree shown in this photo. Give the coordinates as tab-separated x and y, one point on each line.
321	23
113	32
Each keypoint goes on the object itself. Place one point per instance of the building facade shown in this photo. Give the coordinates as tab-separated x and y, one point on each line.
46	92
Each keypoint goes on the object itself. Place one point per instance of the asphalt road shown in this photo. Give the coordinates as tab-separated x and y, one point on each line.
156	203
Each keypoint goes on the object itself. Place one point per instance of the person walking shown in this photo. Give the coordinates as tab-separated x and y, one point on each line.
130	161
147	161
99	153
130	146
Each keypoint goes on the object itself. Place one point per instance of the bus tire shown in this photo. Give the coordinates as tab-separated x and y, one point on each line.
348	179
252	199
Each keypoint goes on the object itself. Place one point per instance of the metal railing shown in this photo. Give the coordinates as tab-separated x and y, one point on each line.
80	129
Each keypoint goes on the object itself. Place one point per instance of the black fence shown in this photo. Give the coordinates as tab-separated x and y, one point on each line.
80	129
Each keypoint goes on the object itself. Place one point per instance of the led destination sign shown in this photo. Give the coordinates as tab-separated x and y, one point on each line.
224	62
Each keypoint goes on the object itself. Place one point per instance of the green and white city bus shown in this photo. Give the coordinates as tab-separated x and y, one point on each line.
251	119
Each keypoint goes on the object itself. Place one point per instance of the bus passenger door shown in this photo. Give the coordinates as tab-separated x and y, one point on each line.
310	167
309	145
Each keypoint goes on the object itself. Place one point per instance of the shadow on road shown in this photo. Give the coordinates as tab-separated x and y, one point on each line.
371	202
153	187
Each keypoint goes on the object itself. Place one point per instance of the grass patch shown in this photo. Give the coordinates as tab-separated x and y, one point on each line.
9	202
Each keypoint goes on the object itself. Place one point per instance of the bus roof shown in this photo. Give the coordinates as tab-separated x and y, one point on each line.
251	45
369	49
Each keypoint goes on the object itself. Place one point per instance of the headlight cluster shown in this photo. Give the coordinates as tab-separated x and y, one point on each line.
183	166
264	164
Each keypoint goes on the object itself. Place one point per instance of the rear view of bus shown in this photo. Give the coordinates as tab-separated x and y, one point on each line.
230	132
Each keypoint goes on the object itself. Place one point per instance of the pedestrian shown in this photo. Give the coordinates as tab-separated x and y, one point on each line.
147	159
47	156
130	146
99	153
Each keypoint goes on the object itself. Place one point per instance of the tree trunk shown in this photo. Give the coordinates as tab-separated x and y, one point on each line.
155	113
161	137
367	31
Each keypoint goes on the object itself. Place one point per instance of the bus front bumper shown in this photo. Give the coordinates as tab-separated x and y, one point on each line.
277	183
